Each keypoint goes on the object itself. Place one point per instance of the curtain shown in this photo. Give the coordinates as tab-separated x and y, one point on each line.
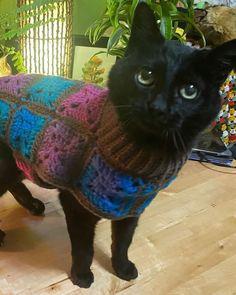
47	49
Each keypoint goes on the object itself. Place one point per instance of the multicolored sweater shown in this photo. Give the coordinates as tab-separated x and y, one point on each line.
67	134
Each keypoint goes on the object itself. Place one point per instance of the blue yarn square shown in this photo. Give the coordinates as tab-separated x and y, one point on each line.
101	185
24	130
48	90
4	118
112	192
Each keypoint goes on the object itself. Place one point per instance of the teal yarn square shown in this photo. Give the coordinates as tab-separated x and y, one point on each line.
24	130
4	118
48	90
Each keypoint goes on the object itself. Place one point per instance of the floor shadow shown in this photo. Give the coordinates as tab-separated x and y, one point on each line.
103	259
20	239
42	242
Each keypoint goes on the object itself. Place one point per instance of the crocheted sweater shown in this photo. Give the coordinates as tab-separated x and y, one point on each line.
67	134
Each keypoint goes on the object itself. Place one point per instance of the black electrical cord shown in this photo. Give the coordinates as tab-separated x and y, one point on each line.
203	158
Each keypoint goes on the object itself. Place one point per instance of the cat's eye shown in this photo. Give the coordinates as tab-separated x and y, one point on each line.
189	91
145	77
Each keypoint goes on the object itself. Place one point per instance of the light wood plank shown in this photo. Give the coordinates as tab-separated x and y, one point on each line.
185	243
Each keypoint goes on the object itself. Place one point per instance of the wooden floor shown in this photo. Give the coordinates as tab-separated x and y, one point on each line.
185	243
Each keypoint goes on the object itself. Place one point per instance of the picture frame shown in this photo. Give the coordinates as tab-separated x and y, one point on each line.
84	51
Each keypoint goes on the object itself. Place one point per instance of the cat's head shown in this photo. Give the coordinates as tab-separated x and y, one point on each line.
166	93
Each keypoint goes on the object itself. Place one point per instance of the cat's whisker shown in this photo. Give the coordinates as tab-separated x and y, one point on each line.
127	122
175	140
181	140
165	134
175	169
120	106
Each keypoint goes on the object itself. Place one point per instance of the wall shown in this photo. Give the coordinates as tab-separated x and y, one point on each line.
7	6
219	2
85	12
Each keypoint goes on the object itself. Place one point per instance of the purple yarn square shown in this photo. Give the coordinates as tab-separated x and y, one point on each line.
84	105
59	152
14	84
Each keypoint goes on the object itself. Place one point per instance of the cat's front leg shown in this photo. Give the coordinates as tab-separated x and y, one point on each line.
122	234
81	227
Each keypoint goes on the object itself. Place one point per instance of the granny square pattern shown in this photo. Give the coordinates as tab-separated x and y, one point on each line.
84	106
4	117
226	120
59	152
67	134
114	192
25	127
15	85
47	91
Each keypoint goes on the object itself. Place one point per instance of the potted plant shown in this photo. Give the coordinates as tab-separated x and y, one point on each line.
5	69
118	16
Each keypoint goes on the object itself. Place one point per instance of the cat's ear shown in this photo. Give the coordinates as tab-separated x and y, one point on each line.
223	58
144	27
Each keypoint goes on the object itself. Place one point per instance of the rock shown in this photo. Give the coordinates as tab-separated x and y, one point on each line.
218	24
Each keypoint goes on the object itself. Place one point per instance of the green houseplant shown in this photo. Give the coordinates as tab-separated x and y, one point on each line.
118	19
15	56
9	27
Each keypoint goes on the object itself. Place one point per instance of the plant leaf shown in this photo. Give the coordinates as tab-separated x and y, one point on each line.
157	9
166	21
183	17
115	37
132	9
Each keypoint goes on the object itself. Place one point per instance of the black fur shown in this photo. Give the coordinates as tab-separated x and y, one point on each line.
148	113
155	116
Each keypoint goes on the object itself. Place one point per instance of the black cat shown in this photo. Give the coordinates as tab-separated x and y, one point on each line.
165	94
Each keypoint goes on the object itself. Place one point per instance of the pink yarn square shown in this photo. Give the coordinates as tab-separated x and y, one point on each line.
85	105
25	168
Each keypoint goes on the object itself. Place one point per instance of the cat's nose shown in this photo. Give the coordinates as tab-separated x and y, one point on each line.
158	108
162	113
159	104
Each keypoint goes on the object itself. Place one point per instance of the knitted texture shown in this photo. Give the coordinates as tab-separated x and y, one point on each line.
84	106
67	134
4	115
109	190
14	85
26	169
226	120
25	128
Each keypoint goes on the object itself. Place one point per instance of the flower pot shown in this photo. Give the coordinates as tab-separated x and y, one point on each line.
5	69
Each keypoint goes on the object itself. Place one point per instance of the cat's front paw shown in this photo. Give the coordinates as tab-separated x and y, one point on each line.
83	280
37	207
126	271
2	235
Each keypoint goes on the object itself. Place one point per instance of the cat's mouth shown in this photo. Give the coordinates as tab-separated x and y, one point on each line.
158	126
162	136
153	129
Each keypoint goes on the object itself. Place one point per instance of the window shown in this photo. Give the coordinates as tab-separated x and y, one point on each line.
47	49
